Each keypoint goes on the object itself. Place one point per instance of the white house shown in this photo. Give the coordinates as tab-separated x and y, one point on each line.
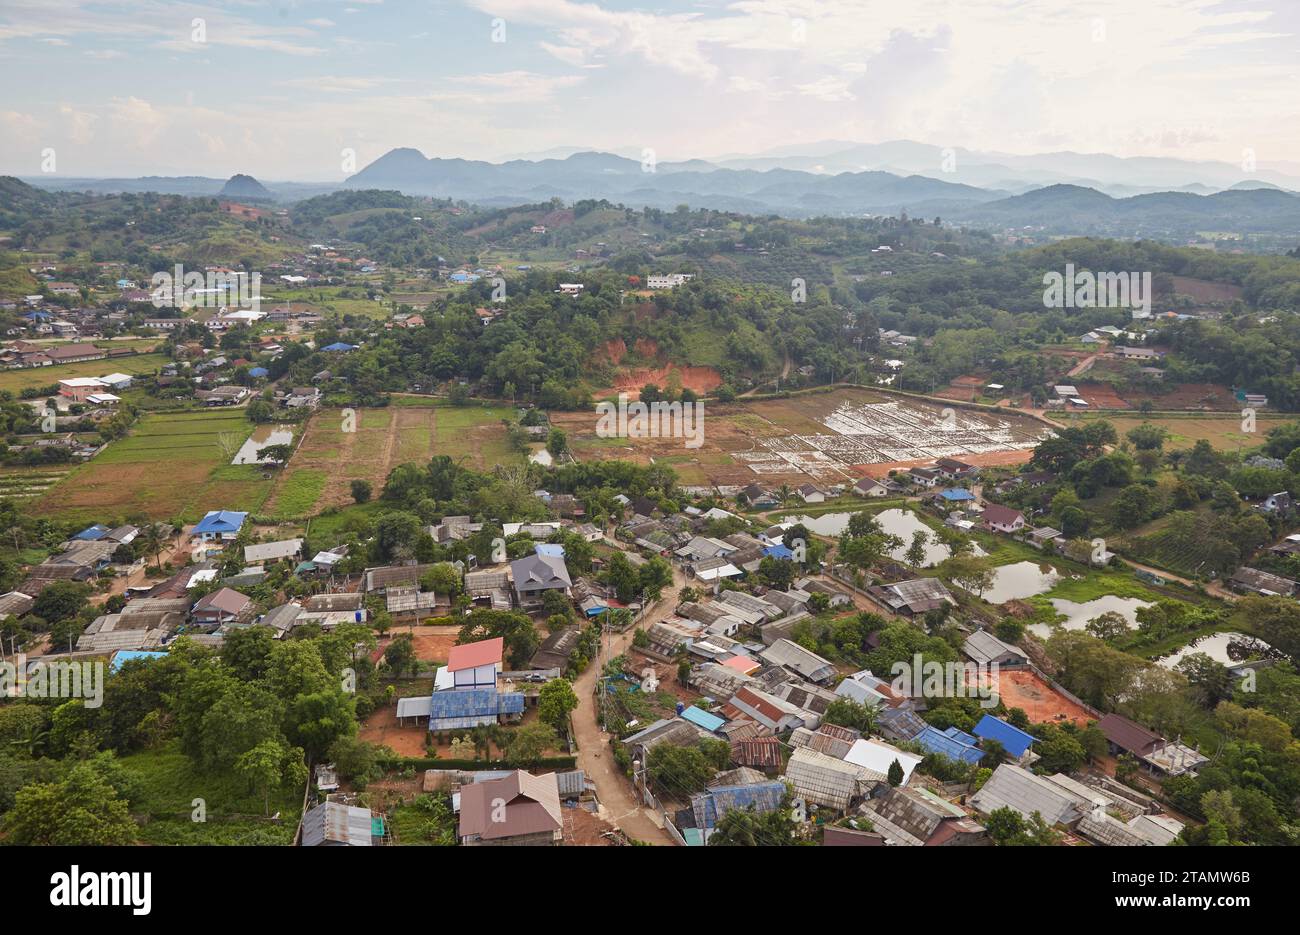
1003	518
475	665
870	487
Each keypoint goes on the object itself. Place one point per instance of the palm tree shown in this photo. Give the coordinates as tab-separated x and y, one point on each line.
482	742
153	543
33	742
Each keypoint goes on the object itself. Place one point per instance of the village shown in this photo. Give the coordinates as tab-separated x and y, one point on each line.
694	698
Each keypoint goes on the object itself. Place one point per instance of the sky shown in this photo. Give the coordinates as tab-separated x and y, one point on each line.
311	91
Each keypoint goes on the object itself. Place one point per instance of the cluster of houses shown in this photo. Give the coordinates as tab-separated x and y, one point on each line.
495	808
766	696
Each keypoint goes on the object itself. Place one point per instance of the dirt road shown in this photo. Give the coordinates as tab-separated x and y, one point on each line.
1213	588
618	804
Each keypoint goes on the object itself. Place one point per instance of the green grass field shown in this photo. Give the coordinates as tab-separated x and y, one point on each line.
15	381
299	493
170	784
171	466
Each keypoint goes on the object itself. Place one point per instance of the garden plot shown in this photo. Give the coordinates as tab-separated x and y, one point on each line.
889	432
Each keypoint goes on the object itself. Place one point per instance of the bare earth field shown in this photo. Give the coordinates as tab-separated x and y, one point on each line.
830	437
383	438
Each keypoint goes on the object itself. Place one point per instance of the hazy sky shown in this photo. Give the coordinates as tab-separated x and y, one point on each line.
280	89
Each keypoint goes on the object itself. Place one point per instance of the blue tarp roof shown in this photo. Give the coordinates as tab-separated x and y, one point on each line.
778	551
936	741
957	493
258	372
969	740
554	549
474	702
760	796
702	718
92	533
126	655
1013	739
221	521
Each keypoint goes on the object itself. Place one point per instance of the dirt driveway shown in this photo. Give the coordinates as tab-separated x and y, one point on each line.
618	804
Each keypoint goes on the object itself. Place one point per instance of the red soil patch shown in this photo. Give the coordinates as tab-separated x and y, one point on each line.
1021	688
1205	291
699	379
965	394
987	459
382	728
1212	396
1103	396
432	644
583	829
646	347
614	351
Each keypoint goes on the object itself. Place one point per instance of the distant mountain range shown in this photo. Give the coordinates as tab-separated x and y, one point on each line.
1000	191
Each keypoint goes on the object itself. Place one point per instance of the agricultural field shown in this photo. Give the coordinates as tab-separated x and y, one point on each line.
15	381
1223	432
832	437
171	466
414	429
27	483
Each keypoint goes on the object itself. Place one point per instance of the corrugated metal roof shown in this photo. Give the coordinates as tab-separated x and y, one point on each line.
1021	790
336	823
1013	739
824	780
936	741
473	702
761	797
702	718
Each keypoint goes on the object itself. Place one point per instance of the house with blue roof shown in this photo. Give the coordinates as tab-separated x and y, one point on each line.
701	718
956	495
551	549
258	372
470	707
219	526
92	533
339	346
778	551
1013	739
709	807
953	746
126	655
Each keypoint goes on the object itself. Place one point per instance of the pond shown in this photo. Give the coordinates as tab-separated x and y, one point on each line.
1077	615
263	436
1020	580
901	523
1215	646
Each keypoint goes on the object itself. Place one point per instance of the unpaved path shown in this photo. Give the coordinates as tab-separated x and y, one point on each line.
618	803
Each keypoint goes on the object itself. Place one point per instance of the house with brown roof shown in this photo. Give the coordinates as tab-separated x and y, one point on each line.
953	470
224	605
919	818
74	353
518	809
1157	755
1003	518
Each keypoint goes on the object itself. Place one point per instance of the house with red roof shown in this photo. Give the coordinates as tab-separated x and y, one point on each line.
475	665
